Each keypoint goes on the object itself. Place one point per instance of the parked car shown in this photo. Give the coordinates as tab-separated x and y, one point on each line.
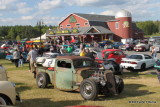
76	72
138	61
10	57
8	95
111	65
131	47
77	51
142	46
115	54
4	46
41	60
157	46
3	73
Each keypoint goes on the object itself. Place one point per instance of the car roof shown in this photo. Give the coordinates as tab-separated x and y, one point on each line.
74	58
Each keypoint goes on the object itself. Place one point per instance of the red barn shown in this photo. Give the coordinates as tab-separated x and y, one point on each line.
89	27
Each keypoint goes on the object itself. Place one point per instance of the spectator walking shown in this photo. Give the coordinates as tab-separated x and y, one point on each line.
154	52
16	56
32	55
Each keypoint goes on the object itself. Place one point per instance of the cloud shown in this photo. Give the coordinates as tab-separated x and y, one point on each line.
22	8
51	20
49	4
27	17
108	12
102	3
6	4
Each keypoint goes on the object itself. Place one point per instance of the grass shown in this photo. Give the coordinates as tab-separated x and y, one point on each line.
139	86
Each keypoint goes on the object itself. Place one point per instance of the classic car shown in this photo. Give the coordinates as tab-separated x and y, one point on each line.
142	46
157	46
110	65
131	47
115	54
8	95
41	60
79	73
137	61
3	73
10	57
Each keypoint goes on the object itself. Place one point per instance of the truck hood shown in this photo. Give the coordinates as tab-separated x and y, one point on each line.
78	70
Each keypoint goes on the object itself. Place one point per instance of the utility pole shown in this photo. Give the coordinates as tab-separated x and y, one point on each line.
40	23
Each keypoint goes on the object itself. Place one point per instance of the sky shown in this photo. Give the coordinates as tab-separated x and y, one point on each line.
51	12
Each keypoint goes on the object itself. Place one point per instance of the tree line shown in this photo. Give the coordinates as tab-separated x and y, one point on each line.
151	28
19	32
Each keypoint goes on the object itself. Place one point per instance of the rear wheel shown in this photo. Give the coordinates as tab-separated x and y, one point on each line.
89	89
42	80
143	66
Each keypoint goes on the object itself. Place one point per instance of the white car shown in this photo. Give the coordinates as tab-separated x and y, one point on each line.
138	61
41	60
77	52
49	62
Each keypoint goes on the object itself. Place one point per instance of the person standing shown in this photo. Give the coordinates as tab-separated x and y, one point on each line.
16	56
154	52
32	59
83	52
21	59
89	54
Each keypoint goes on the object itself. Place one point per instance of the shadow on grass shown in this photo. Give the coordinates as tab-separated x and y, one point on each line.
46	102
130	90
20	87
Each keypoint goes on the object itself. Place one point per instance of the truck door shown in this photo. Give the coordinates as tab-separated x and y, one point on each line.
63	75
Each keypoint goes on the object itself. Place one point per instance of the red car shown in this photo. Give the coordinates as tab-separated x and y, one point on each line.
116	54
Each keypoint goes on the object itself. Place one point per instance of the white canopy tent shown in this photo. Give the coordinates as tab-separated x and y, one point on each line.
43	37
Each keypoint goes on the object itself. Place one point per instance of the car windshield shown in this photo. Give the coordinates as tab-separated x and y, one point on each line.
83	63
135	57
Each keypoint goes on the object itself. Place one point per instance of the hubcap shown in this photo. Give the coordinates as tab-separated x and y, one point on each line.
87	89
41	80
2	101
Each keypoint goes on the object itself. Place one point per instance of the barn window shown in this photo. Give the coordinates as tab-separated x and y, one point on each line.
117	25
68	25
78	24
86	23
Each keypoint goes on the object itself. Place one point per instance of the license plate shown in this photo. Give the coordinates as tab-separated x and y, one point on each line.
136	50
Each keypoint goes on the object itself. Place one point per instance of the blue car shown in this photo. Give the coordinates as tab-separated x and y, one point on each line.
10	57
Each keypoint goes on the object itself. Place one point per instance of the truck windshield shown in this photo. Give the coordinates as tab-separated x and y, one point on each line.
83	63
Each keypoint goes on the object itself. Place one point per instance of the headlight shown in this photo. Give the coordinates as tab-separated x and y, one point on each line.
13	84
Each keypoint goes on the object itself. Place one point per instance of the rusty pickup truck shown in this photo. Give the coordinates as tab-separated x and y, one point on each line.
79	73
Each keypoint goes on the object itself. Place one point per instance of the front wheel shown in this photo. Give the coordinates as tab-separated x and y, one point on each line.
89	89
119	84
4	101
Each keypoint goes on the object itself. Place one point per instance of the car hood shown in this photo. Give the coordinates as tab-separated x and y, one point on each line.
140	45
